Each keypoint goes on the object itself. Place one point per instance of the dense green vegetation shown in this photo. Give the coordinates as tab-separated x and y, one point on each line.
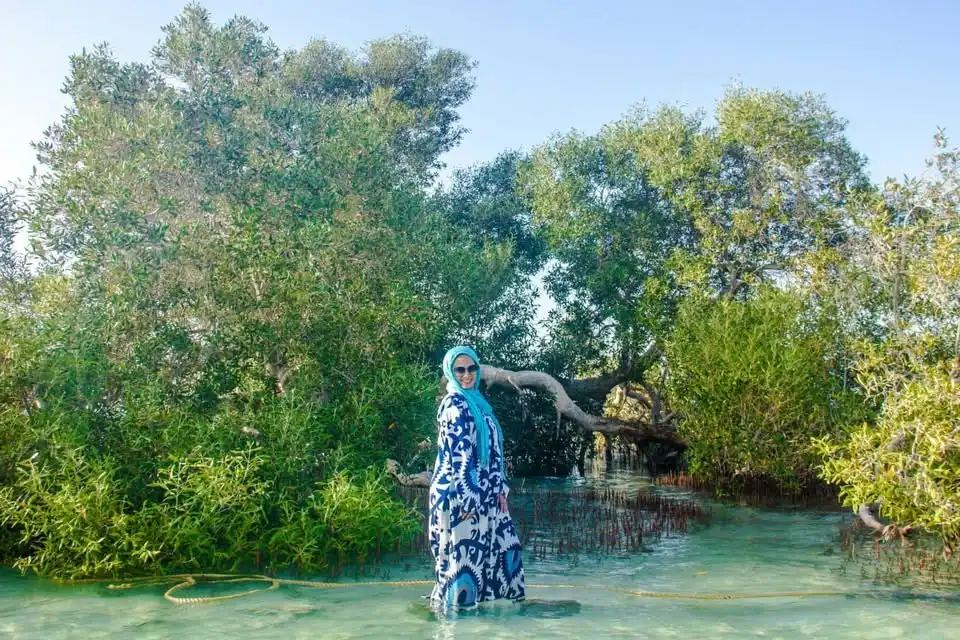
240	279
902	285
755	380
234	303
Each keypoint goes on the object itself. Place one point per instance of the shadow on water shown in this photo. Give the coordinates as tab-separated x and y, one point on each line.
529	608
617	514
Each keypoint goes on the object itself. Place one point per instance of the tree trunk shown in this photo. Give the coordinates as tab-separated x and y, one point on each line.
566	408
582	457
887	532
421	479
594	389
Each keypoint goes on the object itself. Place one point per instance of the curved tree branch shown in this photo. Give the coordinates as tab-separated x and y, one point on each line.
596	388
867	517
887	531
421	479
568	409
639	397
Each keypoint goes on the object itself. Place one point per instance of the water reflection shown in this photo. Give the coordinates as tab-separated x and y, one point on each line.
739	549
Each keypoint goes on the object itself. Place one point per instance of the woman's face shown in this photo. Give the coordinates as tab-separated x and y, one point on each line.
465	369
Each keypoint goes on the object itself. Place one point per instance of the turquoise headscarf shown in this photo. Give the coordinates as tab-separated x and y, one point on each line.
479	407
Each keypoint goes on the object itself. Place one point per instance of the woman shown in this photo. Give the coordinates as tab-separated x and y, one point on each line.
472	537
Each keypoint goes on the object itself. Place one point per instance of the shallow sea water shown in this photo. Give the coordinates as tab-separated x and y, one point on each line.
740	550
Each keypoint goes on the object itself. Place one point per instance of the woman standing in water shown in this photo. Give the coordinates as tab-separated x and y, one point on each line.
472	537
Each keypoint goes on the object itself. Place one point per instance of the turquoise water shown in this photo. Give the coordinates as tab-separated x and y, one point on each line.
740	549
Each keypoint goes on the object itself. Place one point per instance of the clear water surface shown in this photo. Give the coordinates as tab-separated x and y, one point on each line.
741	549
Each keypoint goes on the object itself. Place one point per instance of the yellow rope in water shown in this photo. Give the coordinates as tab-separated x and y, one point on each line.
190	580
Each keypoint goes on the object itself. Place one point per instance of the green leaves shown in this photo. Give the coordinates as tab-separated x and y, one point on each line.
608	233
903	285
210	511
346	518
482	253
763	188
427	86
909	462
241	282
659	204
231	246
755	381
71	514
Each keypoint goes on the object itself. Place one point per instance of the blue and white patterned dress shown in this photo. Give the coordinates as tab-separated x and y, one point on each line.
478	557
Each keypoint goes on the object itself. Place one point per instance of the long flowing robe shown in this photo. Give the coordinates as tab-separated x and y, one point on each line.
473	540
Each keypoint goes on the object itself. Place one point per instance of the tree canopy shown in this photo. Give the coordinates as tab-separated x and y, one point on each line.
241	274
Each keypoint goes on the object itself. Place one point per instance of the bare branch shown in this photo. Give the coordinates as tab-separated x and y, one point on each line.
421	479
568	409
639	397
596	388
887	532
866	515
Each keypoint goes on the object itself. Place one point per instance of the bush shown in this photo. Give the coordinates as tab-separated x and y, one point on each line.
211	512
233	302
346	519
909	462
73	517
754	382
77	516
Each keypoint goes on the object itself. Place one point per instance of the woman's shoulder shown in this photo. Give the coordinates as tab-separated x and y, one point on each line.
453	399
452	406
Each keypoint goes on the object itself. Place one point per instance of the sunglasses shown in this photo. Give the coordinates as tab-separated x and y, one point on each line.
462	370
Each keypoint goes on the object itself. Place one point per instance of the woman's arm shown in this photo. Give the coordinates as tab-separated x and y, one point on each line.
457	434
498	482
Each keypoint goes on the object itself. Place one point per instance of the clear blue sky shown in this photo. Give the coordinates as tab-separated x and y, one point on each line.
888	67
